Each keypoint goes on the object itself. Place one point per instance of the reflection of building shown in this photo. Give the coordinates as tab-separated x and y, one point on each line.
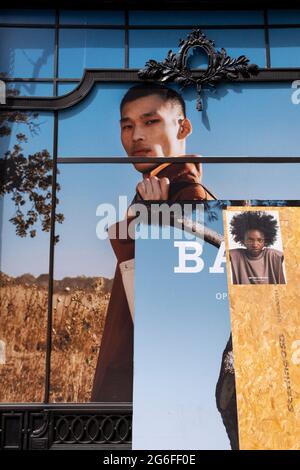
45	54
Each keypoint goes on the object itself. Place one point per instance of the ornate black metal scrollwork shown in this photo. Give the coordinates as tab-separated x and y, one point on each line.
43	429
89	425
220	66
97	429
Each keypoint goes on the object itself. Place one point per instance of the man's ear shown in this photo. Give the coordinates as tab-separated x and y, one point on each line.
185	128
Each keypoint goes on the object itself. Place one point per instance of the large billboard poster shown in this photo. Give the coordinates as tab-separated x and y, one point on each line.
190	317
182	327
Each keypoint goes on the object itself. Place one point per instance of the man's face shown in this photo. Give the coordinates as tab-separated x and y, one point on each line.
254	241
151	127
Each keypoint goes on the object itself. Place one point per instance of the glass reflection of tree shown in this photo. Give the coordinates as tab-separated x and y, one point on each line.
27	178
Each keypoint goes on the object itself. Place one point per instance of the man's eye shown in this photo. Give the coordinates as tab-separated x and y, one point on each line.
128	126
152	121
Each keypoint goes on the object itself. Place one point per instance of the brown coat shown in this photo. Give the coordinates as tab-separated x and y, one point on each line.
114	372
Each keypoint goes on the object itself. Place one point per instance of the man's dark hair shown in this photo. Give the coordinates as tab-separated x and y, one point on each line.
148	89
254	220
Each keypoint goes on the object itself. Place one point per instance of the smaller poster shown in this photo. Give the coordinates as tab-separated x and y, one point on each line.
263	267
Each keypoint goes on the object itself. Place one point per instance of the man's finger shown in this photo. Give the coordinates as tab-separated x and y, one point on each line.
164	188
148	188
156	190
140	188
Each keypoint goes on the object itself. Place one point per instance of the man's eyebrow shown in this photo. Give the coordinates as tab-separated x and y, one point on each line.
144	115
149	114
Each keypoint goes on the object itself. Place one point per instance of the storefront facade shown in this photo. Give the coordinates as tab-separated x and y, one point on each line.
69	70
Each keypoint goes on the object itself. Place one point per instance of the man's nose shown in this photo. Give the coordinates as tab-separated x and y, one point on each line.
137	134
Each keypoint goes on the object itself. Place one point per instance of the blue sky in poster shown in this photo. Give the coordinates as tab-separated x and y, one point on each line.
253	119
181	330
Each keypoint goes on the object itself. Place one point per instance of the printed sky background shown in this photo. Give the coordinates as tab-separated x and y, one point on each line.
181	330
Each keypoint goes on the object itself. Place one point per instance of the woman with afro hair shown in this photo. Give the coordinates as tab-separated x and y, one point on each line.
255	263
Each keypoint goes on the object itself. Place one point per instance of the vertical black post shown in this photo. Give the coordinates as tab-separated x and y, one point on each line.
56	52
126	40
51	262
267	39
52	225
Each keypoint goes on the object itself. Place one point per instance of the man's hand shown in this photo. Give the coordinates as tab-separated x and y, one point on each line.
154	189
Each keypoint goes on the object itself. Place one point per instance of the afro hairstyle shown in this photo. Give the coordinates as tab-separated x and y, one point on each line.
254	220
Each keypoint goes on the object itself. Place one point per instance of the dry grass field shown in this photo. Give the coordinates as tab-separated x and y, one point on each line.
78	322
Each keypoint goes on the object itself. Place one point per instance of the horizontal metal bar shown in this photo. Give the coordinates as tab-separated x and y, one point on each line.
92	76
213	159
265	75
26	80
153	4
214	26
29	25
40	80
91	406
91	446
148	27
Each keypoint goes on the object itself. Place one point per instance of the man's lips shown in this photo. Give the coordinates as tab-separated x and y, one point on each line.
141	152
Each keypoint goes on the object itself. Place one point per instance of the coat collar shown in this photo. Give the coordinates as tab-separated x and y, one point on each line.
179	172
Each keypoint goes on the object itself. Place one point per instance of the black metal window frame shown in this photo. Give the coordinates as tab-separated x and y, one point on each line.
43	433
57	26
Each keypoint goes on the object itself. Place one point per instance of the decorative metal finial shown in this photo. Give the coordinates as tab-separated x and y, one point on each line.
220	66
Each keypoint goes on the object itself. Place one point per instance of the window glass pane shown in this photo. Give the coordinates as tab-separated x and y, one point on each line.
27	16
26	53
32	88
96	120
245	119
84	268
284	16
262	130
39	134
24	302
199	17
253	181
285	47
80	49
64	88
145	45
91	17
24	261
